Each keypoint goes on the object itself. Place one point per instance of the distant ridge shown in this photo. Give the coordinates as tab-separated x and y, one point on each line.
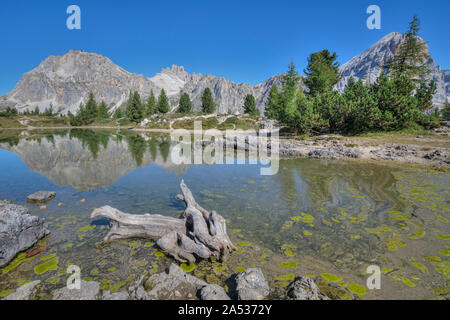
65	82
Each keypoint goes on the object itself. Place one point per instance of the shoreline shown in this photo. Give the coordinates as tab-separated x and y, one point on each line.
431	150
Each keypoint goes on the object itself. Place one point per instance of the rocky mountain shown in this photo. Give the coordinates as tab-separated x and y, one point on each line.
65	82
367	66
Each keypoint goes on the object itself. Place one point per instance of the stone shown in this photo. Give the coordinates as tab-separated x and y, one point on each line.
251	285
213	292
41	197
163	286
19	230
123	295
89	290
303	288
24	292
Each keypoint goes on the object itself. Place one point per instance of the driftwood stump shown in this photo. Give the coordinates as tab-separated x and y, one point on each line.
198	233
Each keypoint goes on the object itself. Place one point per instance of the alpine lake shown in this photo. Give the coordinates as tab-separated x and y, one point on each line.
326	219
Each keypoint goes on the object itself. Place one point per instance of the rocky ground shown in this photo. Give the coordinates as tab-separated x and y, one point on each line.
175	284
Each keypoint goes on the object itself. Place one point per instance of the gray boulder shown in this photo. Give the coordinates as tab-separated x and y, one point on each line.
19	230
303	288
24	292
89	290
41	197
213	292
173	284
251	285
123	295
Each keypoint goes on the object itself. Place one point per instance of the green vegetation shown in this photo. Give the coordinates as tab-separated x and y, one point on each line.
250	105
163	102
208	105
446	111
185	105
399	99
150	106
135	112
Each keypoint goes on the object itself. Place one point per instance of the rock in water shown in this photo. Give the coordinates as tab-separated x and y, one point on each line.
24	292
251	285
123	295
303	288
89	290
41	197
213	292
174	284
19	230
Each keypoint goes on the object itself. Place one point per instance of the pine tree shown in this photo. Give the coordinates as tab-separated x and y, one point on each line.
163	102
446	111
322	72
36	111
273	104
118	114
410	60
291	84
103	111
185	105
208	105
151	104
91	107
250	105
134	108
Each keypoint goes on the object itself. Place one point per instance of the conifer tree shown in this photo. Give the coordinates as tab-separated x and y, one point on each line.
410	60
134	108
103	111
273	103
250	105
163	102
208	105
185	105
322	72
151	104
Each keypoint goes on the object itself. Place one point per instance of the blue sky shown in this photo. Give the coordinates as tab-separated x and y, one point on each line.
245	41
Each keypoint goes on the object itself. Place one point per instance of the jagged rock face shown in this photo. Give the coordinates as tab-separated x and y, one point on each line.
65	82
368	66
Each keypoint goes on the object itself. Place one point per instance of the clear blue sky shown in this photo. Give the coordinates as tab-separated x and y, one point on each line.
245	41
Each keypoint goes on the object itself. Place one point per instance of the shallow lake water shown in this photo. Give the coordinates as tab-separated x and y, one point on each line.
326	219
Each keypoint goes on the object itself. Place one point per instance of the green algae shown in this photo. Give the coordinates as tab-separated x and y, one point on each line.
304	217
49	265
289	276
356	289
148	244
86	228
408	282
330	277
53	280
290	264
420	266
158	254
21	258
112	269
244	244
443	236
307	233
188	267
69	245
4	293
50	256
240	269
444	252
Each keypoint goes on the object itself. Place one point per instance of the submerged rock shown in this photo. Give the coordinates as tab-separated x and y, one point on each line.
251	285
213	292
41	197
19	230
303	288
89	290
173	284
123	295
24	292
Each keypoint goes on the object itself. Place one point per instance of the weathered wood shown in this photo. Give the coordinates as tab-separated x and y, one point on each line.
198	234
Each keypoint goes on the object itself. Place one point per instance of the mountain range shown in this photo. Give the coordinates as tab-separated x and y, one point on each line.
65	82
